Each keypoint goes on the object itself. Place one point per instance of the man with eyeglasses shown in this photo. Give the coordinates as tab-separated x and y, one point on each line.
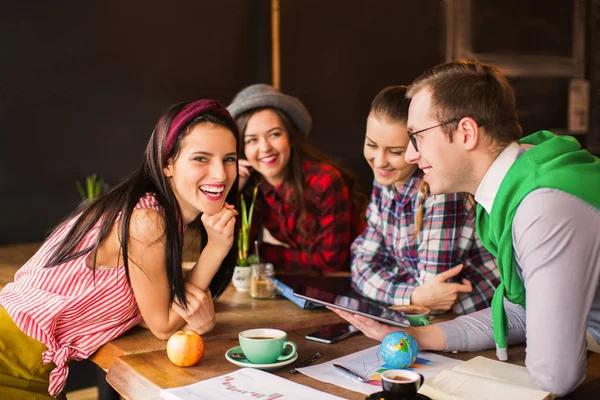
538	213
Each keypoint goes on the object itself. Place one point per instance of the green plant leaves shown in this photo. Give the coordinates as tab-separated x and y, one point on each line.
246	214
93	188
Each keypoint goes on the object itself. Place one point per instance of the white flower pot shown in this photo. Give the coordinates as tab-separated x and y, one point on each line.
241	278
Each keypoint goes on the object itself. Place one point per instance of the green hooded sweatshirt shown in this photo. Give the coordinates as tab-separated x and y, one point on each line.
556	162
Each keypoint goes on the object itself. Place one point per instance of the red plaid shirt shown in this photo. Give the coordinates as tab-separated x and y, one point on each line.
329	229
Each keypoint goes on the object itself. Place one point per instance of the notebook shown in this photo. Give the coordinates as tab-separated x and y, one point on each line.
483	378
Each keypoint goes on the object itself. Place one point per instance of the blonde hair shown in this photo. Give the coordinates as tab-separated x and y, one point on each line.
424	192
392	104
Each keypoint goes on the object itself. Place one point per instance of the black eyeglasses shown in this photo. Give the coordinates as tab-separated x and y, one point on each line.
413	135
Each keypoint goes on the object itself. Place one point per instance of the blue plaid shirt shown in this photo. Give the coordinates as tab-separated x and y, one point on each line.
389	260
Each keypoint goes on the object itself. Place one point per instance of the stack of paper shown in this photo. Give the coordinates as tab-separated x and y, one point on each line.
369	365
245	383
445	378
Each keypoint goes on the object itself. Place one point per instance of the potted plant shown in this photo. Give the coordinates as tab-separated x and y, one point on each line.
241	273
93	188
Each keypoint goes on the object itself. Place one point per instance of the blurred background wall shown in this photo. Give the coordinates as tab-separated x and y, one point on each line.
82	83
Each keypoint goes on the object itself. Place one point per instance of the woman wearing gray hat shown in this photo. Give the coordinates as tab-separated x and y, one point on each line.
308	210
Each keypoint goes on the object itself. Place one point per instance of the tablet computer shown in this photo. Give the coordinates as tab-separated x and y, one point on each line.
286	285
353	305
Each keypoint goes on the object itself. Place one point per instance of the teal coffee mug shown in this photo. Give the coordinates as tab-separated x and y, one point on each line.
266	346
416	315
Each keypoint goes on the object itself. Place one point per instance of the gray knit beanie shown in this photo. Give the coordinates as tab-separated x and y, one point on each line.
261	95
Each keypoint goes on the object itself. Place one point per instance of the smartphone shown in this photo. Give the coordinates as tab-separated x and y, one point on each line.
333	333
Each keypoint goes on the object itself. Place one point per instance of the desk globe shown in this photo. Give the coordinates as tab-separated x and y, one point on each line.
399	350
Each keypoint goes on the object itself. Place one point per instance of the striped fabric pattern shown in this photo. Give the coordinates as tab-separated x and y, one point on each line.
68	308
389	260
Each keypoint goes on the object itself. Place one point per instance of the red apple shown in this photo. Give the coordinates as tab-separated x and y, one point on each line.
185	348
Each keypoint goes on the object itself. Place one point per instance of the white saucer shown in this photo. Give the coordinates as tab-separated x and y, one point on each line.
264	367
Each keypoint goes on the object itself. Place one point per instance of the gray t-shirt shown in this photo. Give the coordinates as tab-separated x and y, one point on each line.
556	240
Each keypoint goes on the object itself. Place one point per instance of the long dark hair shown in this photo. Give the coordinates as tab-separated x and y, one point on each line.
295	179
124	197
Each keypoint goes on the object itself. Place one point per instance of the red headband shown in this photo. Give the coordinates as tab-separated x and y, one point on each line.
189	113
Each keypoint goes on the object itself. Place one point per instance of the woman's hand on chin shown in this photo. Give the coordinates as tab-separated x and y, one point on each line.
200	311
220	228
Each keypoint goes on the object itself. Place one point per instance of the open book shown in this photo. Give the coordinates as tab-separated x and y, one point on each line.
482	378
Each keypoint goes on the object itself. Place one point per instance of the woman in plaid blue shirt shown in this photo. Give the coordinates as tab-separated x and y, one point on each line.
417	248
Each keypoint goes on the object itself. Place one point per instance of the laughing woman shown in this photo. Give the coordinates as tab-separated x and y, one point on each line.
417	248
309	210
117	260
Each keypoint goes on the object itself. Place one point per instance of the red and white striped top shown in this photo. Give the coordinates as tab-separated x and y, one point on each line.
67	308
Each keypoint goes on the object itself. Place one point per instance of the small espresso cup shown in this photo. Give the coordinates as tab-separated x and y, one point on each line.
416	315
400	384
265	346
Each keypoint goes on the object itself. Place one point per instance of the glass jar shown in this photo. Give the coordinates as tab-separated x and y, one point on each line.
262	285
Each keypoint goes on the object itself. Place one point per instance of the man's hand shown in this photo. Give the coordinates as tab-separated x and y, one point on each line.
371	328
200	311
439	295
428	337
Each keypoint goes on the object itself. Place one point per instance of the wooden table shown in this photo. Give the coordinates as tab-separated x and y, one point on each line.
142	376
236	311
12	257
138	367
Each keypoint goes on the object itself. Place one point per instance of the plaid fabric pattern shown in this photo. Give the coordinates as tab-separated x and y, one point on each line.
325	245
389	261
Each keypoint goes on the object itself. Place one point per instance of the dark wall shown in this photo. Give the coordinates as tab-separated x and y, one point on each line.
536	30
593	72
82	84
336	55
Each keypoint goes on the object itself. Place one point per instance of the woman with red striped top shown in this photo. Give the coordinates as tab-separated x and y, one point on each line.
117	261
